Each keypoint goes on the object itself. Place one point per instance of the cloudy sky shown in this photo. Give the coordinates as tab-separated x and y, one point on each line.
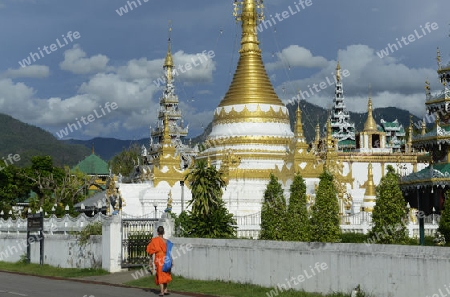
95	53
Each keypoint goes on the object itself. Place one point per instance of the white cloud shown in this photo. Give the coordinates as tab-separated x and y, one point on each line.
33	71
75	61
296	56
392	83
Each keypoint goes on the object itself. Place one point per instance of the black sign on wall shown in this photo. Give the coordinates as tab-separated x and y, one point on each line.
35	222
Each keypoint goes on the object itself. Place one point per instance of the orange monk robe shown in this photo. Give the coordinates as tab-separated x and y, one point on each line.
158	247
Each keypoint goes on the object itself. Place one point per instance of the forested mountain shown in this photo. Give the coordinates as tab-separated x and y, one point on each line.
27	141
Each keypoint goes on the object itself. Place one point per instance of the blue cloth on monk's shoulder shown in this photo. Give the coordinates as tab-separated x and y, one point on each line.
168	259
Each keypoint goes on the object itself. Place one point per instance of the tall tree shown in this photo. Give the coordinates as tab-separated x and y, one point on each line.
389	213
208	218
297	224
273	211
207	185
325	211
125	161
444	223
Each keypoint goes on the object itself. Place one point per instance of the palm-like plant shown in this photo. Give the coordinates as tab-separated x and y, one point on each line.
206	187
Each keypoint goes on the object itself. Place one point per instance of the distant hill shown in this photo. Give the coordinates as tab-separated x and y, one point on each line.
107	148
27	141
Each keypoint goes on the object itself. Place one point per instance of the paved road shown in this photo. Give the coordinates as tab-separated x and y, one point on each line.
13	285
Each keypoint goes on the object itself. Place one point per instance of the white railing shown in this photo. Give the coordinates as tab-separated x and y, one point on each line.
249	225
52	225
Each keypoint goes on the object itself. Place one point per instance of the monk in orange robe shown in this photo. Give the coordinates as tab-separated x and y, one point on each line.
158	247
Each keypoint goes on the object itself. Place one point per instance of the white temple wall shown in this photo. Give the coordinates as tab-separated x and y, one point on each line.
141	198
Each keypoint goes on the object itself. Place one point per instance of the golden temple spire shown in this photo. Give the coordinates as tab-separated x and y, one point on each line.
250	83
370	124
370	188
424	127
298	124
438	58
166	135
410	132
338	72
330	144
168	62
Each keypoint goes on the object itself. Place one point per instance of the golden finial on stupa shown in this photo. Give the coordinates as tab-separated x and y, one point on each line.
250	73
168	62
166	135
370	189
338	72
370	124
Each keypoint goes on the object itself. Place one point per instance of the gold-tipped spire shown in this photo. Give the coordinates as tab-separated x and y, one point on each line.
298	123
250	83
168	62
166	135
438	58
370	189
330	142
338	72
424	127
370	124
410	132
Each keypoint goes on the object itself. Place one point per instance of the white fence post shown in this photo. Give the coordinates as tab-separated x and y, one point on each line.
111	243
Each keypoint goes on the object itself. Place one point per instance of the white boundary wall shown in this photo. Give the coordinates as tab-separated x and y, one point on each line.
59	250
382	270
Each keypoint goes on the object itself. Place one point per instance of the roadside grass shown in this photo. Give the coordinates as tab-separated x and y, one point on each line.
47	270
219	288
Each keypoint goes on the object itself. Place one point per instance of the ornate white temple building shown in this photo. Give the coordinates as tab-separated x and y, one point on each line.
251	137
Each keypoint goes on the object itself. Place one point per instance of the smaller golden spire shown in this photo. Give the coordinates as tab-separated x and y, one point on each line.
166	135
168	62
370	124
424	127
370	189
410	132
298	123
438	58
330	143
338	72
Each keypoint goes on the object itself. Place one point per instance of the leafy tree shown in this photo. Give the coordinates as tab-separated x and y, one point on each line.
56	186
444	223
273	211
297	219
325	211
206	187
219	223
389	213
208	218
125	161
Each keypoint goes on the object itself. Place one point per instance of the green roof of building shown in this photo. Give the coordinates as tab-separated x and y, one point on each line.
93	165
347	142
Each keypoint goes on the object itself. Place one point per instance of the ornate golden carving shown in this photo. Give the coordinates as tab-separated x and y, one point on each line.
247	116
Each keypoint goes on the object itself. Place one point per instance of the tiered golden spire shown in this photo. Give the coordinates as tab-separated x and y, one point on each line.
166	135
168	62
298	124
370	188
330	142
370	124
250	83
338	72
